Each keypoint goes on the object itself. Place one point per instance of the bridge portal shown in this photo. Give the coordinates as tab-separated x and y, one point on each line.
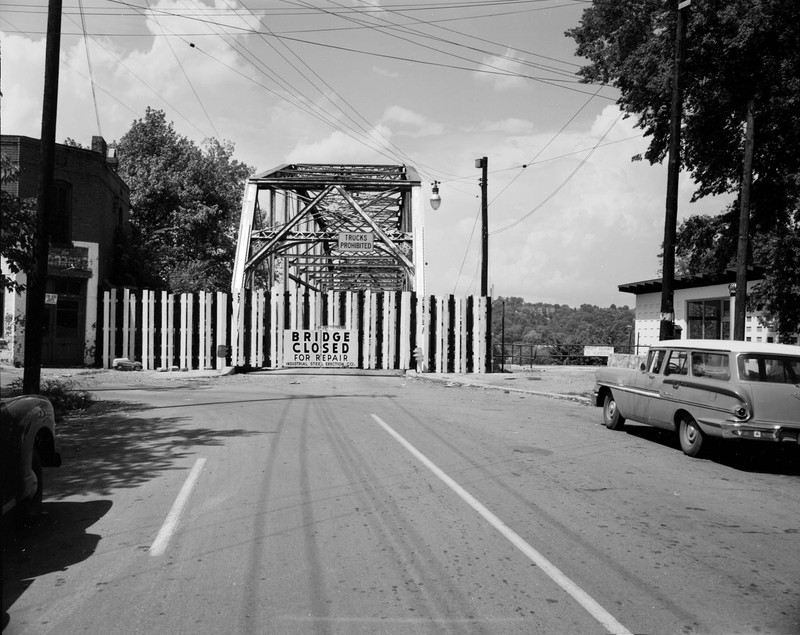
332	228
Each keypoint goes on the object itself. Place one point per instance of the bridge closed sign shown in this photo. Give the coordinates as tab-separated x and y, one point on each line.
323	348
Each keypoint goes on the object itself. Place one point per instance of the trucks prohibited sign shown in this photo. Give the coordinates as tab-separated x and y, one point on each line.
326	348
364	241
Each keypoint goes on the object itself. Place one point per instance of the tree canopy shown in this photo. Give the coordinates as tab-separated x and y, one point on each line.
17	223
185	205
559	326
736	51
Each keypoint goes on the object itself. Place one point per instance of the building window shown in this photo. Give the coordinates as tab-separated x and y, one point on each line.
61	215
709	319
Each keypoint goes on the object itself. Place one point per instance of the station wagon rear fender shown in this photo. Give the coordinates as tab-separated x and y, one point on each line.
742	413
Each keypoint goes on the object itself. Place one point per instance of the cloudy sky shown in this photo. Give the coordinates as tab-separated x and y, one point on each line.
433	84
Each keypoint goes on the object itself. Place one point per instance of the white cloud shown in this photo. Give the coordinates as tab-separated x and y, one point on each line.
501	71
509	126
378	70
337	147
410	123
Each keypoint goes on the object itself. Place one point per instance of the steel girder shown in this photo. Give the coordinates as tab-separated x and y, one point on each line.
294	217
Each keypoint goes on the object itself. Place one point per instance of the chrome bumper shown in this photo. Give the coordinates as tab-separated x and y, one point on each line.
775	433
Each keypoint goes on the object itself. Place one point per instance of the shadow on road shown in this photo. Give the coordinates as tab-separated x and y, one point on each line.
746	456
58	540
114	445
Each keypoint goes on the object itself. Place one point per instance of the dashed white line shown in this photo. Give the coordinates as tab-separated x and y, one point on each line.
159	545
579	595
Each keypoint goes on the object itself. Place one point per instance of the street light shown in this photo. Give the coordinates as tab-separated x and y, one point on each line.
436	200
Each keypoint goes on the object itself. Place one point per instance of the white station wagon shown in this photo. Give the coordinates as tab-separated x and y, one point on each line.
708	388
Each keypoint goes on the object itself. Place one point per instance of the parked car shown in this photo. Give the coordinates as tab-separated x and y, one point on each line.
28	444
708	388
123	363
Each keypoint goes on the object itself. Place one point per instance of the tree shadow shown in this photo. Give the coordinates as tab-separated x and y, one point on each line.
746	456
58	540
113	445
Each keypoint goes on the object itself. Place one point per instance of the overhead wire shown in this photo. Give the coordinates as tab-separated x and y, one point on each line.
75	70
369	130
546	145
89	64
362	135
562	184
151	89
188	80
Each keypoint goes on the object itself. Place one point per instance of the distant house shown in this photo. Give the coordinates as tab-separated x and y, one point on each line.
91	204
703	306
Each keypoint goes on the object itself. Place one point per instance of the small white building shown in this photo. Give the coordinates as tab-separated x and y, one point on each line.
704	306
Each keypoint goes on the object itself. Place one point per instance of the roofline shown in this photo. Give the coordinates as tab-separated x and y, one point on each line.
755	272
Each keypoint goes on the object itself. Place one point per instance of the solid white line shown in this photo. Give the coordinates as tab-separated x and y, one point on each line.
159	545
580	596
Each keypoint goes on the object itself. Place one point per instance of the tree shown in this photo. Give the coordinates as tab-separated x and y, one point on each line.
185	205
561	326
778	293
17	222
737	52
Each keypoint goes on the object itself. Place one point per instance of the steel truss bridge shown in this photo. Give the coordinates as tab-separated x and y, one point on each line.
332	228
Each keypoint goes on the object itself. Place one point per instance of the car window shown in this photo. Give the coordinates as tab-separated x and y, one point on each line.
678	363
655	359
775	369
711	365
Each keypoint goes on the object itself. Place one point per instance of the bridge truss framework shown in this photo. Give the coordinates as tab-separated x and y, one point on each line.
294	219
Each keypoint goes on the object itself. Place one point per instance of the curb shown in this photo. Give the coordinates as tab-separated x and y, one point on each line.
448	380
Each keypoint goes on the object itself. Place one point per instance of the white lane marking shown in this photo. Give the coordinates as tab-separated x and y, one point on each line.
579	595
159	545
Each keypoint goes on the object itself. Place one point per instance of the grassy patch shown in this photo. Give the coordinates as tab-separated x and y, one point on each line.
64	394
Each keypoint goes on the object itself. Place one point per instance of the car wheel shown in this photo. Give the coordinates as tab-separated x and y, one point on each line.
691	437
611	415
31	507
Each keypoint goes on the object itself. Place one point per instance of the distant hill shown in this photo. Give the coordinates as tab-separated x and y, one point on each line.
558	325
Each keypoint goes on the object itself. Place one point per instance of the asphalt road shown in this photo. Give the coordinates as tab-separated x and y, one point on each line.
363	504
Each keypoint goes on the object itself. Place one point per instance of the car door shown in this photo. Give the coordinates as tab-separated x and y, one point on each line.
672	388
645	387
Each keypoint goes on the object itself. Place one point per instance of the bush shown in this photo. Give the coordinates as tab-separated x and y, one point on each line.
65	395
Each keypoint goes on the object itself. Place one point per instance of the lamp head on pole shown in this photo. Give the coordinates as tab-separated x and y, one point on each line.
436	200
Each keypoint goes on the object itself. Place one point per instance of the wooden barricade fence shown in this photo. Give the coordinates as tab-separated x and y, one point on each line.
213	330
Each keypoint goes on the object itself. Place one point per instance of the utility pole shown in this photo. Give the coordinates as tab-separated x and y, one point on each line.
667	329
484	165
37	279
740	302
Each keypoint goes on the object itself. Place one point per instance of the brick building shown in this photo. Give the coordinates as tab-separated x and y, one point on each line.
92	205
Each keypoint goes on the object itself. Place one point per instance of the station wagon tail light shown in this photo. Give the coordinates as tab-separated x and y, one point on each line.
741	412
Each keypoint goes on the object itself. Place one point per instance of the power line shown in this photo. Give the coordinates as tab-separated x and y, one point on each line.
188	81
561	185
89	64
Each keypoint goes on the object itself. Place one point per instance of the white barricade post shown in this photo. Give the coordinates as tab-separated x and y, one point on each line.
405	330
459	331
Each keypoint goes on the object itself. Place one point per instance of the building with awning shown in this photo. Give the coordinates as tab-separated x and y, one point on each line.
92	206
704	308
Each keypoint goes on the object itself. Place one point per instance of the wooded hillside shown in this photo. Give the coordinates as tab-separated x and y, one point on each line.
559	326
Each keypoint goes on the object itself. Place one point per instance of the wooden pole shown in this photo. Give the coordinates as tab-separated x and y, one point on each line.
667	327
484	165
37	279
740	302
